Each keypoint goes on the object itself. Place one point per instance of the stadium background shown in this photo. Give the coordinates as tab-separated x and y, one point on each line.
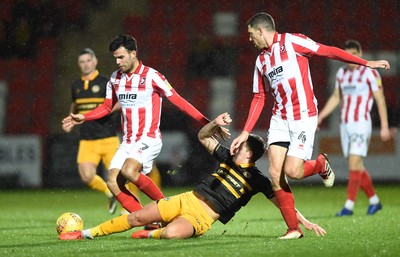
201	46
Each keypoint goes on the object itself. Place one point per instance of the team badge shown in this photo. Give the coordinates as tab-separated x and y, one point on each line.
96	89
142	81
246	174
283	48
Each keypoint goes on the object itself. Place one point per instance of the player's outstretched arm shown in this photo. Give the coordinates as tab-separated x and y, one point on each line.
319	231
206	133
378	64
309	225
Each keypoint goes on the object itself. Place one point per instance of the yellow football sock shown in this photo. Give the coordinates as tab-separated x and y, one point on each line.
155	176
156	233
115	225
100	185
131	187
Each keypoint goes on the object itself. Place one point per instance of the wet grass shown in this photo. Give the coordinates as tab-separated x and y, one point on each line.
27	227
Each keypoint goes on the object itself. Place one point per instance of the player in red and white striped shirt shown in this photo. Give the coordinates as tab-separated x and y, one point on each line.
139	90
356	87
282	67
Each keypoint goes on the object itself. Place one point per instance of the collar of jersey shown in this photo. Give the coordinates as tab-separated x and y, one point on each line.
94	75
247	165
137	70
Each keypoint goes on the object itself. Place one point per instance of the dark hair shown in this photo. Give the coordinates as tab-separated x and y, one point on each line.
124	40
87	51
257	145
352	43
262	19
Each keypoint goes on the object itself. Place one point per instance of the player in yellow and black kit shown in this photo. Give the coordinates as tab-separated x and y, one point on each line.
98	139
218	197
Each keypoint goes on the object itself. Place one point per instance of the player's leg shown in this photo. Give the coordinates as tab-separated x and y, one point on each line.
185	215
353	185
88	159
178	229
298	164
139	163
283	193
155	177
131	170
278	143
108	147
368	188
116	182
118	224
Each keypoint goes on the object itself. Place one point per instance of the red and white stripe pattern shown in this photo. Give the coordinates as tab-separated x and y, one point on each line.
140	96
285	65
356	87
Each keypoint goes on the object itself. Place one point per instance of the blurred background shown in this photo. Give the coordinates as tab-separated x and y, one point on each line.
202	48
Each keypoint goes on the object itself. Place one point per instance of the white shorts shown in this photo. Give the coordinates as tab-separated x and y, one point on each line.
299	133
144	151
355	138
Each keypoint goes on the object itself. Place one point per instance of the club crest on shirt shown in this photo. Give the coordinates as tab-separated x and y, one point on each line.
246	174
283	48
142	80
96	89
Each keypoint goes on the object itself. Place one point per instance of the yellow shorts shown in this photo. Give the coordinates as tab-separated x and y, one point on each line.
96	150
188	206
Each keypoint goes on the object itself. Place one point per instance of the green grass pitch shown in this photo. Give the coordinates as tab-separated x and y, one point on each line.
27	227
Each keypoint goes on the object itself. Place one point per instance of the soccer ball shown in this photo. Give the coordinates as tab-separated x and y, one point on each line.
69	222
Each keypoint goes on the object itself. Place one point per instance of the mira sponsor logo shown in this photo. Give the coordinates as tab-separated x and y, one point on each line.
348	89
275	72
127	96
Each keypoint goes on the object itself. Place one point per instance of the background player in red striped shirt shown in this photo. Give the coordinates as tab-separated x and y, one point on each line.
283	62
356	87
139	90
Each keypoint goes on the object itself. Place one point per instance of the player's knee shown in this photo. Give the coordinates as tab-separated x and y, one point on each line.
112	183
135	219
131	172
86	177
172	233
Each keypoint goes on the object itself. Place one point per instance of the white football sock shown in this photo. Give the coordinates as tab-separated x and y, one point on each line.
86	234
349	204
374	200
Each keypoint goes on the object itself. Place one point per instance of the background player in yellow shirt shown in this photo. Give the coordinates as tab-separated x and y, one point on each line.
98	139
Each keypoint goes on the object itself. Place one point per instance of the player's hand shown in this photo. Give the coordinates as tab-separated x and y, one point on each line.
378	64
67	128
222	133
74	119
223	120
238	141
316	228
